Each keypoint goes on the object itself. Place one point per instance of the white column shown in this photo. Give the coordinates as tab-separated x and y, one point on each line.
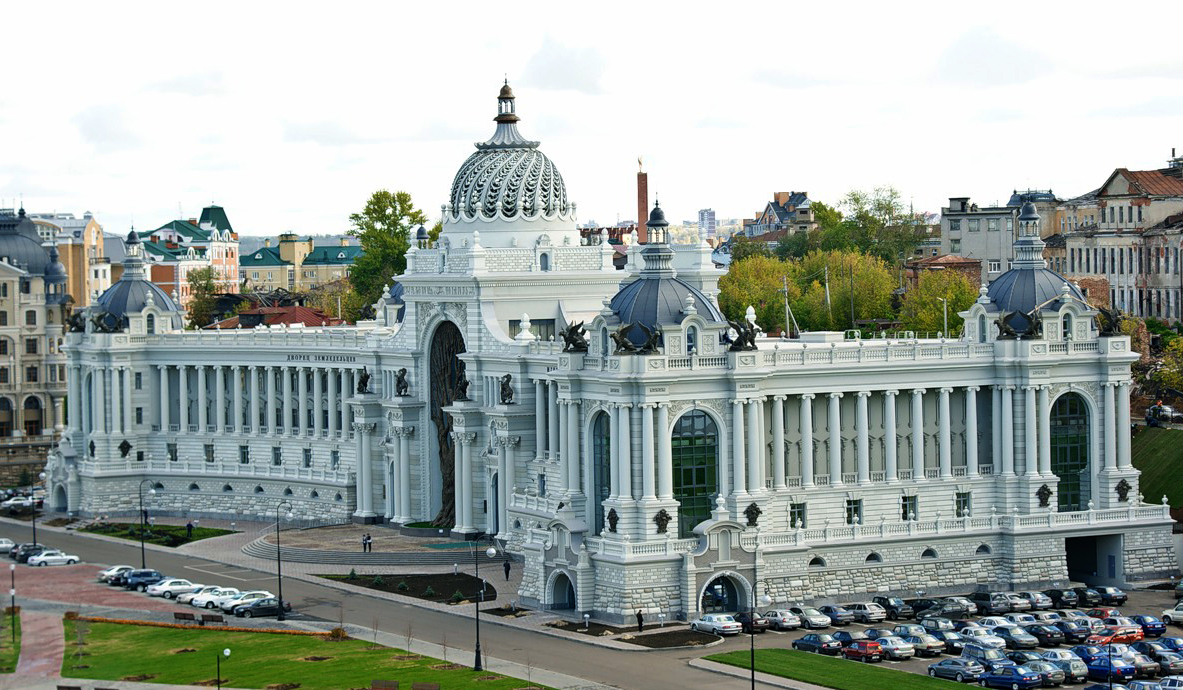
971	431
552	419
996	428
1008	432
502	494
116	399
665	454
128	413
466	479
253	372
404	473
738	470
946	457
286	372
318	423
1045	433
648	464
614	451
626	453
755	419
164	400
890	461
564	448
74	398
1108	431
332	403
388	482
365	480
302	406
807	440
1123	427
269	372
864	450
778	442
1030	433
539	419
835	429
98	406
220	398
573	448
918	434
186	417
239	385
202	400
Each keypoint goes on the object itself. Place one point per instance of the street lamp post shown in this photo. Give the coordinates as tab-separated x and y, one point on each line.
945	305
143	519
226	653
491	552
278	558
33	507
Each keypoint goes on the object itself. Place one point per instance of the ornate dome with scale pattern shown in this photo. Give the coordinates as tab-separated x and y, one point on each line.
508	177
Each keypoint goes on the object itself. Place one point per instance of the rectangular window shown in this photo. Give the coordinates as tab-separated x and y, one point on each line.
1112	214
1121	214
172	451
307	457
954	245
334	459
1072	260
139	415
3	374
209	452
139	456
1010	224
993	224
276	455
31	375
854	511
30	346
909	508
244	455
543	329
995	266
955	226
797	515
139	381
3	318
975	224
1139	214
963	504
26	287
541	484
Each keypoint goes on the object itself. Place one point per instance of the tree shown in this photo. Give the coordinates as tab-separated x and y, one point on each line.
385	228
860	287
1170	373
743	247
876	222
758	282
922	309
202	292
338	299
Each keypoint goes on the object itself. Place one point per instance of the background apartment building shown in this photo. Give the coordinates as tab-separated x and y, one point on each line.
179	247
81	249
987	233
296	264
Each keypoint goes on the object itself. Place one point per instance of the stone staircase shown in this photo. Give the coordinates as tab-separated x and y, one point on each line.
260	548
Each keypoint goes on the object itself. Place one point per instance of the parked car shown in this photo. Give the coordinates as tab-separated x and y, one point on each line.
1073	631
867	612
954	642
986	656
937	623
1174	615
15	550
1018	603
1087	596
119	579
983	637
140	579
171	587
6	544
17	502
1171	683
1120	621
1179	590
1103	612
848	637
1088	652
1022	656
958	626
1175	643
971	608
944	608
993	621
1051	675
1047	617
1015	637
1170	663
782	619
1112	596
717	623
811	617
820	643
1141	685
267	606
52	557
895	607
187	597
960	670
1104	668
1039	600
1151	625
896	648
1144	666
750	623
925	645
876	633
838	615
1020	619
1151	648
905	629
27	551
1075	615
867	651
1011	677
991	603
1117	634
1075	670
1048	635
214	599
1062	598
106	574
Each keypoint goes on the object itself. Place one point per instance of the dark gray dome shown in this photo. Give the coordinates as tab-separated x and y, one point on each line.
421	234
130	297
1023	289
1028	212
655	302
20	245
1015	200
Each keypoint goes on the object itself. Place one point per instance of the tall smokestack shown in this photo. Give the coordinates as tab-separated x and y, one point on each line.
642	203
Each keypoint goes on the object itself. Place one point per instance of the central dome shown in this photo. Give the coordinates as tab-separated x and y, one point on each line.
508	176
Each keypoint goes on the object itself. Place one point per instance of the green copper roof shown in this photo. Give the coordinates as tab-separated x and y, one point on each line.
263	256
216	216
333	255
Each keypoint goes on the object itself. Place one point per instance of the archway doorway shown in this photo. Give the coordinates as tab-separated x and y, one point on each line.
7	418
59	498
495	506
32	416
721	596
446	344
1069	429
562	593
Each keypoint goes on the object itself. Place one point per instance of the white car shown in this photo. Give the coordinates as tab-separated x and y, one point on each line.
6	545
1048	617
717	623
896	648
1171	683
170	587
213	599
245	598
1173	615
17	502
187	597
53	558
867	612
1059	655
993	621
1021	618
107	573
783	620
983	638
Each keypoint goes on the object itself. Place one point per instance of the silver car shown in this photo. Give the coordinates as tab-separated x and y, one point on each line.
811	617
1039	600
782	619
867	612
896	648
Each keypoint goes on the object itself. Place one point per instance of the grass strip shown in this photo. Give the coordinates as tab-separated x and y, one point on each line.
1158	454
161	535
9	655
830	672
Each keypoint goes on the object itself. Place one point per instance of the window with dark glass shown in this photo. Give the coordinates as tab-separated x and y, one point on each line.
695	445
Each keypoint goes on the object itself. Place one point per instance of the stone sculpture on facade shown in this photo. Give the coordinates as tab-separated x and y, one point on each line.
105	322
662	520
1123	490
624	346
752	513
1044	494
76	322
652	340
574	338
363	382
506	390
1109	322
613	518
401	387
745	336
1005	330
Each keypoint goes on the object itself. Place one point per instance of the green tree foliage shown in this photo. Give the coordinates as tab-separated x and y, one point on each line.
742	248
338	299
385	228
202	291
758	281
922	309
1170	373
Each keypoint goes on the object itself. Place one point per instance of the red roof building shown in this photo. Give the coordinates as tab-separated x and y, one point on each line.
277	316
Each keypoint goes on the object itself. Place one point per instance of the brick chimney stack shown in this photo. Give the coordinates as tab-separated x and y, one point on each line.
642	203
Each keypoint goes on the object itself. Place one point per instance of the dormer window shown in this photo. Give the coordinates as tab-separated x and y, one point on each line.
691	340
1066	333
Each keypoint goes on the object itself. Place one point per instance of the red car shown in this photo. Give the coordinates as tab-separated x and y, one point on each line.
1116	635
1103	612
866	651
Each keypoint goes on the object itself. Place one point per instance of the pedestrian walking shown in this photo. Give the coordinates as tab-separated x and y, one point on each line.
506	568
640	621
189	529
363	543
369	543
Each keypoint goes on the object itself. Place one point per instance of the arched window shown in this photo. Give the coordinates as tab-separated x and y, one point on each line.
1069	429
695	441
287	491
6	417
928	553
194	487
32	416
604	349
227	488
338	498
982	328
158	486
817	562
873	558
544	261
983	550
151	321
601	441
314	494
1066	332
258	489
691	340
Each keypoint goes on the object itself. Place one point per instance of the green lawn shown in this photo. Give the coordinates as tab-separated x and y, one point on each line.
163	535
8	653
1158	453
172	655
831	672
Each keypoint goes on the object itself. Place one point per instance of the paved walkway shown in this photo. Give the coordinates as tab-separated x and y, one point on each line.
42	643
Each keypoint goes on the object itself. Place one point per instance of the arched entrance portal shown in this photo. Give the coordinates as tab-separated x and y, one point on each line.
1069	429
59	498
562	593
446	344
721	596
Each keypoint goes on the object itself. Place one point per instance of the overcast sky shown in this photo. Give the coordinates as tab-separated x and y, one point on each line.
291	114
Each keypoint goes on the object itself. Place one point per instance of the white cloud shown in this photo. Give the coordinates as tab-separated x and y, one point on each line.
199	84
324	133
558	66
105	127
982	57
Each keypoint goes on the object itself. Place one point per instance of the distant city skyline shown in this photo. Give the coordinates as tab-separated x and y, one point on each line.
291	122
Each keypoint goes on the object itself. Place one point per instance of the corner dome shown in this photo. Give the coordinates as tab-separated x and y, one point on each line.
658	302
508	176
133	291
1022	290
20	245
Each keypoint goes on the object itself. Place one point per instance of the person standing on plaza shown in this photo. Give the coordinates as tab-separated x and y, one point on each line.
640	621
506	567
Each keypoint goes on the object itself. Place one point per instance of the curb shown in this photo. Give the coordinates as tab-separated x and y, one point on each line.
765	678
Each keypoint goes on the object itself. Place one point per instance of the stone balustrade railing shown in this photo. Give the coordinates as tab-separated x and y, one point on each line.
163	470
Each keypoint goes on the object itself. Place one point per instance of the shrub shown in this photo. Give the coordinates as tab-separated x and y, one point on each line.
403	586
338	633
378	581
429	592
352	574
457	596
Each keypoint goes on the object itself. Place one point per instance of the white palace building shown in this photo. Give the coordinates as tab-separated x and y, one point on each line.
662	459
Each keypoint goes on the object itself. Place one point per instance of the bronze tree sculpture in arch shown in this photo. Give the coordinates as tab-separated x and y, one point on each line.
446	372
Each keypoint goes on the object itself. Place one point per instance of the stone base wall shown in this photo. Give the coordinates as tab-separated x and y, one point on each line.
32	464
620	591
1150	555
